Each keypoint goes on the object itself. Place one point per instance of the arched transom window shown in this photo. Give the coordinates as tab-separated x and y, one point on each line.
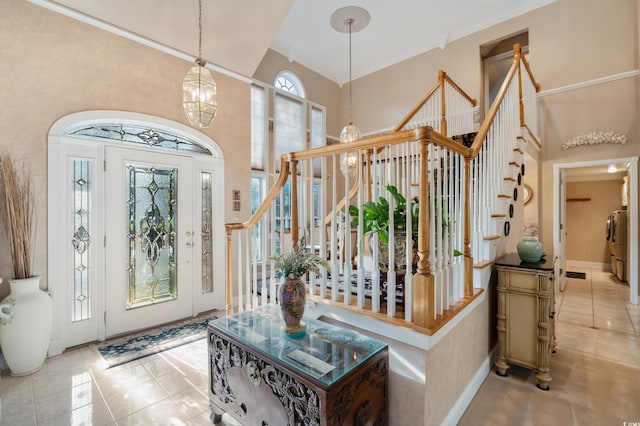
289	82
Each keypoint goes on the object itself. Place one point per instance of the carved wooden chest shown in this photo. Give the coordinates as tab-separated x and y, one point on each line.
258	375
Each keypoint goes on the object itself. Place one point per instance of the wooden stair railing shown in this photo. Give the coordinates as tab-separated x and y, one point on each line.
445	170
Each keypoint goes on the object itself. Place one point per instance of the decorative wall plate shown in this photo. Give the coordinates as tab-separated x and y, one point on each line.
507	229
510	211
515	194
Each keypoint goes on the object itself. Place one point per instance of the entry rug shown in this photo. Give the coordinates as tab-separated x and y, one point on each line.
125	349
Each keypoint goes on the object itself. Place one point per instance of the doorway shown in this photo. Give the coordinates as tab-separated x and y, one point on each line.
560	209
133	238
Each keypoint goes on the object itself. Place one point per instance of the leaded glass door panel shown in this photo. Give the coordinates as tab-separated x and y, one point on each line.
149	239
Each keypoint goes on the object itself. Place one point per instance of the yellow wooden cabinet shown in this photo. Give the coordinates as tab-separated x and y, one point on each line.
526	309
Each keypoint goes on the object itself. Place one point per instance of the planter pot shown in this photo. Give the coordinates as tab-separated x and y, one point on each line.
25	326
530	249
399	256
292	296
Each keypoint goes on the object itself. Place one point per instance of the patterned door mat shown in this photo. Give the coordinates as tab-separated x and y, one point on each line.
580	275
128	348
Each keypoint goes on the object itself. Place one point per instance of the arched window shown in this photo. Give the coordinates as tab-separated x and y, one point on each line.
289	82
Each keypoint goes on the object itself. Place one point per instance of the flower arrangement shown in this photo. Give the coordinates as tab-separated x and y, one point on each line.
298	262
17	208
595	138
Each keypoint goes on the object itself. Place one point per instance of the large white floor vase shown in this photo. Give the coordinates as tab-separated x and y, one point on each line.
25	326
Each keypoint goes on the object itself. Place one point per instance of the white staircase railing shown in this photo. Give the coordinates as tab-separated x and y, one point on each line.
445	198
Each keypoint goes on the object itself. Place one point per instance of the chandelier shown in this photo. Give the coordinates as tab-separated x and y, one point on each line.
349	19
199	88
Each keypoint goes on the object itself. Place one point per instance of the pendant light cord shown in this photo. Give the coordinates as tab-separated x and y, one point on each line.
350	22
199	28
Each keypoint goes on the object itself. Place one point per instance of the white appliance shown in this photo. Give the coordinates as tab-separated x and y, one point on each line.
617	240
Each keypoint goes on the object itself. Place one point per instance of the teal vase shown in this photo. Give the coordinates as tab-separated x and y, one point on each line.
530	250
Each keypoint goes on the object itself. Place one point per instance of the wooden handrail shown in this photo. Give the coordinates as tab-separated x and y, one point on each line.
415	109
271	195
442	76
493	111
471	100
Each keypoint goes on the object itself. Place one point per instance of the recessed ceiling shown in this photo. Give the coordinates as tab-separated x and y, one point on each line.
237	34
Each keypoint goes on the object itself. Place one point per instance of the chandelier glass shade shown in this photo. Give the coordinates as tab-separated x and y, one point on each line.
198	88
349	161
199	95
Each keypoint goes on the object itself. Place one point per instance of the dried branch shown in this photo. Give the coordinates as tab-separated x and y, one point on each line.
17	210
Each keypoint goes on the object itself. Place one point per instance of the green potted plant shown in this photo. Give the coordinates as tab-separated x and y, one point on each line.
26	313
292	293
376	218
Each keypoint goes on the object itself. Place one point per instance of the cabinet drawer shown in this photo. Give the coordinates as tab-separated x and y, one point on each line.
522	281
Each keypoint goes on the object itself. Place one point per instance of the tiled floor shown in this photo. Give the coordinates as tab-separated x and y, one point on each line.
596	377
595	370
169	388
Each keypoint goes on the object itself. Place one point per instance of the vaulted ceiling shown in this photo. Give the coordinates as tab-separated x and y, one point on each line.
238	33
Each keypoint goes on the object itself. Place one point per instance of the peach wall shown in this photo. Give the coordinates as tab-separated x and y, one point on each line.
52	66
586	220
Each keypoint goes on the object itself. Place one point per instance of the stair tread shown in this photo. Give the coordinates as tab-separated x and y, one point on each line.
491	237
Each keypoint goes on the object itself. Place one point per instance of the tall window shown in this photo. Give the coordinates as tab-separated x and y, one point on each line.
289	126
298	124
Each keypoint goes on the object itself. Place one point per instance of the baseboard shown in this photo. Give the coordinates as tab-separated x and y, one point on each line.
461	405
594	265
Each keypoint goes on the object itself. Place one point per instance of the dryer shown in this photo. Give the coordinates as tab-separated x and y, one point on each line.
617	241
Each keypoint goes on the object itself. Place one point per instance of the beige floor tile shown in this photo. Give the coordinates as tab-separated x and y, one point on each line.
22	414
54	381
15	390
166	412
193	401
176	382
157	365
96	414
119	379
135	398
64	402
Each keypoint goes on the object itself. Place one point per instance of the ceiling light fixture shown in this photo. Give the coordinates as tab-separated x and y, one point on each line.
198	87
349	19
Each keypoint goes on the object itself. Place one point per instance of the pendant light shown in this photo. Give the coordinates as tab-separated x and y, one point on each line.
349	19
198	87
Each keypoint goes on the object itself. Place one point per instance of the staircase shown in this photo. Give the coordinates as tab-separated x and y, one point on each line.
466	187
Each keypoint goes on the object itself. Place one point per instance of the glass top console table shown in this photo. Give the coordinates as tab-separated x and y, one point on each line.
260	375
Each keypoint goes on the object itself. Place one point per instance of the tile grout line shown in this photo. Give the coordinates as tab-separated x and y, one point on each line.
593	306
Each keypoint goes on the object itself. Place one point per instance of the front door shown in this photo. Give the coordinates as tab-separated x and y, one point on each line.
149	231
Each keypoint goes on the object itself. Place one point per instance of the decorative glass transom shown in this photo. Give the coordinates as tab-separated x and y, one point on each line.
140	135
81	240
152	235
289	82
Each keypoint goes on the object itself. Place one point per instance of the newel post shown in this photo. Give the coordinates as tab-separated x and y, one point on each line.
517	56
229	294
468	258
294	203
423	307
443	118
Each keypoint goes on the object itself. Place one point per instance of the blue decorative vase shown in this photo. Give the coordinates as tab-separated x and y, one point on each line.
530	250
